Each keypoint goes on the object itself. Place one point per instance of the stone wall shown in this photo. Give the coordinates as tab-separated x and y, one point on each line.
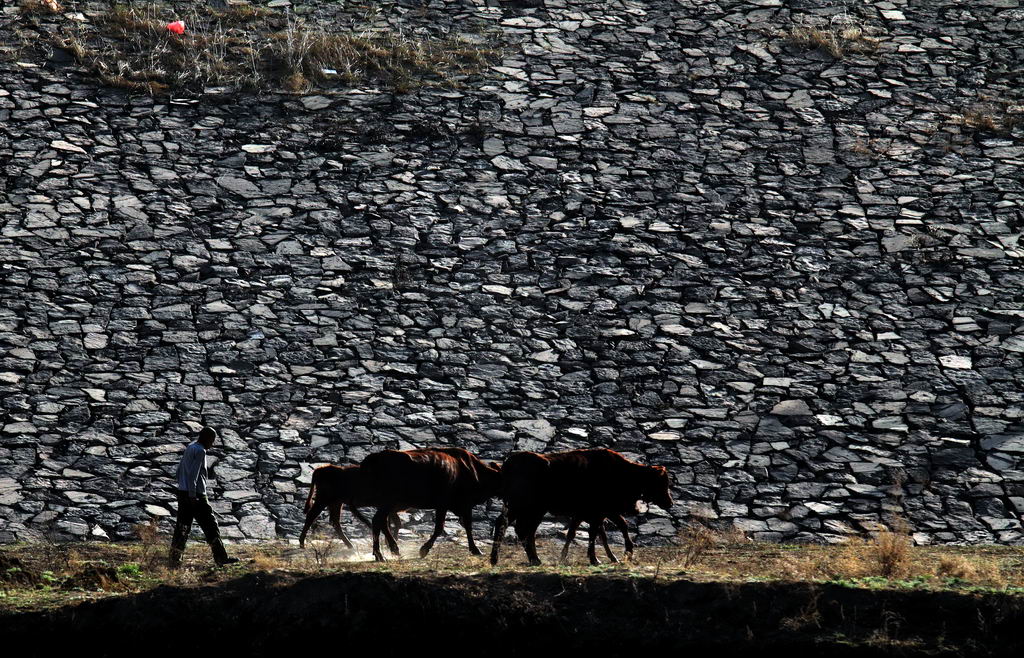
662	227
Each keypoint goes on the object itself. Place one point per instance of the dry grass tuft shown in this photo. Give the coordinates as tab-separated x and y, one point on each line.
270	556
842	562
971	570
996	117
44	7
890	554
837	40
254	48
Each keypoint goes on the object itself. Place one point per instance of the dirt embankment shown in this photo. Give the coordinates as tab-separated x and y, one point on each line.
517	614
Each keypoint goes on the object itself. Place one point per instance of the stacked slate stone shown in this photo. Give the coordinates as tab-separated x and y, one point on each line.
664	227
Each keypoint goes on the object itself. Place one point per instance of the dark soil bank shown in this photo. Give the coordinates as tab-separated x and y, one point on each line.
272	615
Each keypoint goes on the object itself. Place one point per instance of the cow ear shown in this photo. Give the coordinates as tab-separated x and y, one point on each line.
661	470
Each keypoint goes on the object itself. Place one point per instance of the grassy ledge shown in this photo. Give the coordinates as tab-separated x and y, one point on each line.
251	48
49	573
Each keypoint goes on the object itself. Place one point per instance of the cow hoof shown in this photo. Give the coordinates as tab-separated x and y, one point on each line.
424	551
613	560
379	557
535	563
475	551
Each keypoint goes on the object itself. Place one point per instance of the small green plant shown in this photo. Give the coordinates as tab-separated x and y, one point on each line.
129	570
49	578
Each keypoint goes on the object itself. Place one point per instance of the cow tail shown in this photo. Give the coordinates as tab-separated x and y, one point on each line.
312	490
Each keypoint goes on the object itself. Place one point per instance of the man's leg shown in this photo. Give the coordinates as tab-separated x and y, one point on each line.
182	527
204	515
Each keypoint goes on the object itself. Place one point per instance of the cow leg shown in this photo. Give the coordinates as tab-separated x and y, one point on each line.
359	515
335	514
466	519
379	523
439	515
395	523
603	536
595	530
388	537
498	535
310	520
570	535
526	530
620	523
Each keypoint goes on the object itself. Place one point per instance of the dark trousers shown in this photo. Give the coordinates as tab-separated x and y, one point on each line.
199	511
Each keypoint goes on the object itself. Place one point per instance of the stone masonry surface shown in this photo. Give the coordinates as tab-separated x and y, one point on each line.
660	227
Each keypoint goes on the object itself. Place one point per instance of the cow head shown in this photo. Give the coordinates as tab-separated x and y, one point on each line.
490	478
656	488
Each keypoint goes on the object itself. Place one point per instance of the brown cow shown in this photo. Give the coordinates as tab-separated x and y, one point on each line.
332	487
585	485
441	479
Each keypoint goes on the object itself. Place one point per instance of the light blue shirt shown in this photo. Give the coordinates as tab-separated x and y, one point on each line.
192	470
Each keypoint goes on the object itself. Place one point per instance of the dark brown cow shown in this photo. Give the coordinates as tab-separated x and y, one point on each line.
441	479
584	485
333	487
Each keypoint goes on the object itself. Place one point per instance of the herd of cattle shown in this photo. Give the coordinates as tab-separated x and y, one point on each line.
582	485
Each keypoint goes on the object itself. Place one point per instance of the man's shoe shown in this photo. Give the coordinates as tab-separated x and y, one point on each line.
174	558
220	555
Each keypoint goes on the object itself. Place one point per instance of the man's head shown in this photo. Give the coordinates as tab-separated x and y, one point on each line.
207	436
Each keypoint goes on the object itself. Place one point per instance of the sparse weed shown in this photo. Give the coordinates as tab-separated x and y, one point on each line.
151	540
57	553
321	550
808	617
694	542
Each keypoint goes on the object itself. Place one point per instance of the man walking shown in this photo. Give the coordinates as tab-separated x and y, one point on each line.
193	503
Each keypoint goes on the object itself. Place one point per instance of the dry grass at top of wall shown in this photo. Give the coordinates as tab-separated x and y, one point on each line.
840	38
45	7
253	48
